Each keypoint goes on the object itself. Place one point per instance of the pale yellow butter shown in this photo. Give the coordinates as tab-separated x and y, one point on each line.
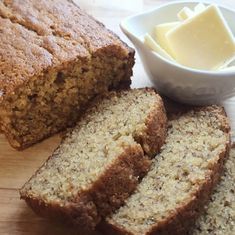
203	41
154	46
160	32
199	8
185	13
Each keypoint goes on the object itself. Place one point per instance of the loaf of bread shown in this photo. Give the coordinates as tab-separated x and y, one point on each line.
100	163
219	217
181	178
54	58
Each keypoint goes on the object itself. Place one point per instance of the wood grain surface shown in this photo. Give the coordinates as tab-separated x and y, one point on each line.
17	166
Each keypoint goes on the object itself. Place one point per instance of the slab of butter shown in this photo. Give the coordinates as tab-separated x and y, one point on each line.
203	41
153	45
160	32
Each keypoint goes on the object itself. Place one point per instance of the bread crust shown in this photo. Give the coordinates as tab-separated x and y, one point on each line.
14	13
153	137
183	218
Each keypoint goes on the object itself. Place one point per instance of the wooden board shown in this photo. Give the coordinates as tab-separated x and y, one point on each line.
16	167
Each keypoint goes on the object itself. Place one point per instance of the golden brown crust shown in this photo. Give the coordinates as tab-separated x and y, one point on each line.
182	219
52	40
156	129
18	144
107	194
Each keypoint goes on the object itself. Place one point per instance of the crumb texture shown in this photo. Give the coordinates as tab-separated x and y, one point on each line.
219	218
195	144
102	140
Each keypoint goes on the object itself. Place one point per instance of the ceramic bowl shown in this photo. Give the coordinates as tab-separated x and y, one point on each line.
176	81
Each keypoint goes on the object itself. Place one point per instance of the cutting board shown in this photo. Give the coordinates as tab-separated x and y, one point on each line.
17	166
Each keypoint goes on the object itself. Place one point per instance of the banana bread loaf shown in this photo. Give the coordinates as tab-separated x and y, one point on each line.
54	58
181	177
101	161
219	217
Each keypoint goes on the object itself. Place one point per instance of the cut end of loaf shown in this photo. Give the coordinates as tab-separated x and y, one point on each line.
52	65
180	179
54	101
102	160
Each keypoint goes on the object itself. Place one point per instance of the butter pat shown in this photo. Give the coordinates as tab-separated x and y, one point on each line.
160	32
199	8
203	41
154	46
185	13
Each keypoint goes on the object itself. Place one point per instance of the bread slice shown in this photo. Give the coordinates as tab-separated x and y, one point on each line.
219	217
99	164
55	58
181	177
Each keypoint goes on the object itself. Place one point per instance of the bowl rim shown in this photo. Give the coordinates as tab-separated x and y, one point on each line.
216	73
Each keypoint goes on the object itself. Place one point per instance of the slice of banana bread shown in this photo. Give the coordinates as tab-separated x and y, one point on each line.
101	161
219	218
181	178
54	58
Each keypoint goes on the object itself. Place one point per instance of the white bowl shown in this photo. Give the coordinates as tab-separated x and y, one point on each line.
178	82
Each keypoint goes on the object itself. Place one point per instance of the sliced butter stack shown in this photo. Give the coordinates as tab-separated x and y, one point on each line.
203	41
